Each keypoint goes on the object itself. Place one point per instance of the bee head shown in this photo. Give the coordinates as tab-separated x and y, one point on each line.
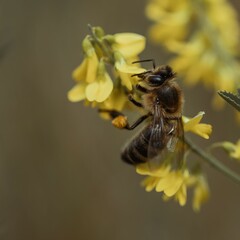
160	75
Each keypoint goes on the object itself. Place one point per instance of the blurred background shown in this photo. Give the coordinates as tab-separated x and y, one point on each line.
61	176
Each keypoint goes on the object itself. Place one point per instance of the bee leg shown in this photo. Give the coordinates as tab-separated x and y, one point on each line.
141	88
112	113
136	103
137	122
119	120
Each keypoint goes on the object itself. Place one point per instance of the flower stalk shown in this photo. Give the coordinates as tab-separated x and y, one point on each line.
214	162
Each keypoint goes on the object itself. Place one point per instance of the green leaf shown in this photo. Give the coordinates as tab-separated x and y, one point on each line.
231	98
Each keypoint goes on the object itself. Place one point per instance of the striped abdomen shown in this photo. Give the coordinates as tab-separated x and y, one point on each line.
138	150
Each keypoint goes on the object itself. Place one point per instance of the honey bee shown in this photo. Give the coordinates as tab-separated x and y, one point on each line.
162	99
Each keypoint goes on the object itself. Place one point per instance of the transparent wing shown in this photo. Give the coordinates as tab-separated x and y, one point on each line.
166	141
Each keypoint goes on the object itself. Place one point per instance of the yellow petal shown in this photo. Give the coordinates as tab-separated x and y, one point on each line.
100	90
92	68
87	70
116	100
131	69
181	195
79	73
129	44
125	71
92	91
106	87
200	194
171	190
236	151
190	123
77	93
169	184
203	130
193	125
145	169
149	183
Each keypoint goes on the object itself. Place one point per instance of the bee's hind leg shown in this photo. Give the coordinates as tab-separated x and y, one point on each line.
119	120
137	122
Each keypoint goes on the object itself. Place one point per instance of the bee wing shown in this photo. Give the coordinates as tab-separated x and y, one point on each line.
166	139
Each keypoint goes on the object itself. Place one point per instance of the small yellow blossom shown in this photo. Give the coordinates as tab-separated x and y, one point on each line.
154	175
101	88
231	148
125	70
194	125
129	44
85	73
88	68
174	183
201	193
171	19
117	100
163	179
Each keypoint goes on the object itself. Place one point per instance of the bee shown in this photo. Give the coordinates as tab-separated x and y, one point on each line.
162	99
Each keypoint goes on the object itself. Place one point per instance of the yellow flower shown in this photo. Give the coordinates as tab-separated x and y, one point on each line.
171	19
146	169
174	183
201	193
77	93
98	90
117	100
163	179
125	71
231	148
194	125
85	73
154	175
87	70
129	44
101	88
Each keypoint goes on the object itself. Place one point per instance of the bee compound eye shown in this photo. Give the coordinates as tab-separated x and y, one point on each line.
156	80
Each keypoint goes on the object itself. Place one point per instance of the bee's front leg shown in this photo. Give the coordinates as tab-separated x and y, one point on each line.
142	89
119	120
132	100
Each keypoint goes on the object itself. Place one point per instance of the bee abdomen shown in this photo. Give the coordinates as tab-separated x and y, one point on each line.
137	150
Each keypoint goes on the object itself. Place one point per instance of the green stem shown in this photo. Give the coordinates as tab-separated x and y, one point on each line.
214	162
102	45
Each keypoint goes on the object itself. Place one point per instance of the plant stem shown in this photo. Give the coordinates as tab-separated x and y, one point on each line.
214	162
102	45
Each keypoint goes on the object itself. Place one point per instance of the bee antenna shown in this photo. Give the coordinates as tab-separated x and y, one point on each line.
146	60
139	74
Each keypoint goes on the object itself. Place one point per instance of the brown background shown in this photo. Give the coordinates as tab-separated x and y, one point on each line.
60	172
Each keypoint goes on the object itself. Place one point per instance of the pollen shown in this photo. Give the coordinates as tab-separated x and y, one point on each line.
120	121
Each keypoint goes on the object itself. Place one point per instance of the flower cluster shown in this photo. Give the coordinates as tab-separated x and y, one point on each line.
104	77
205	42
173	181
104	80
